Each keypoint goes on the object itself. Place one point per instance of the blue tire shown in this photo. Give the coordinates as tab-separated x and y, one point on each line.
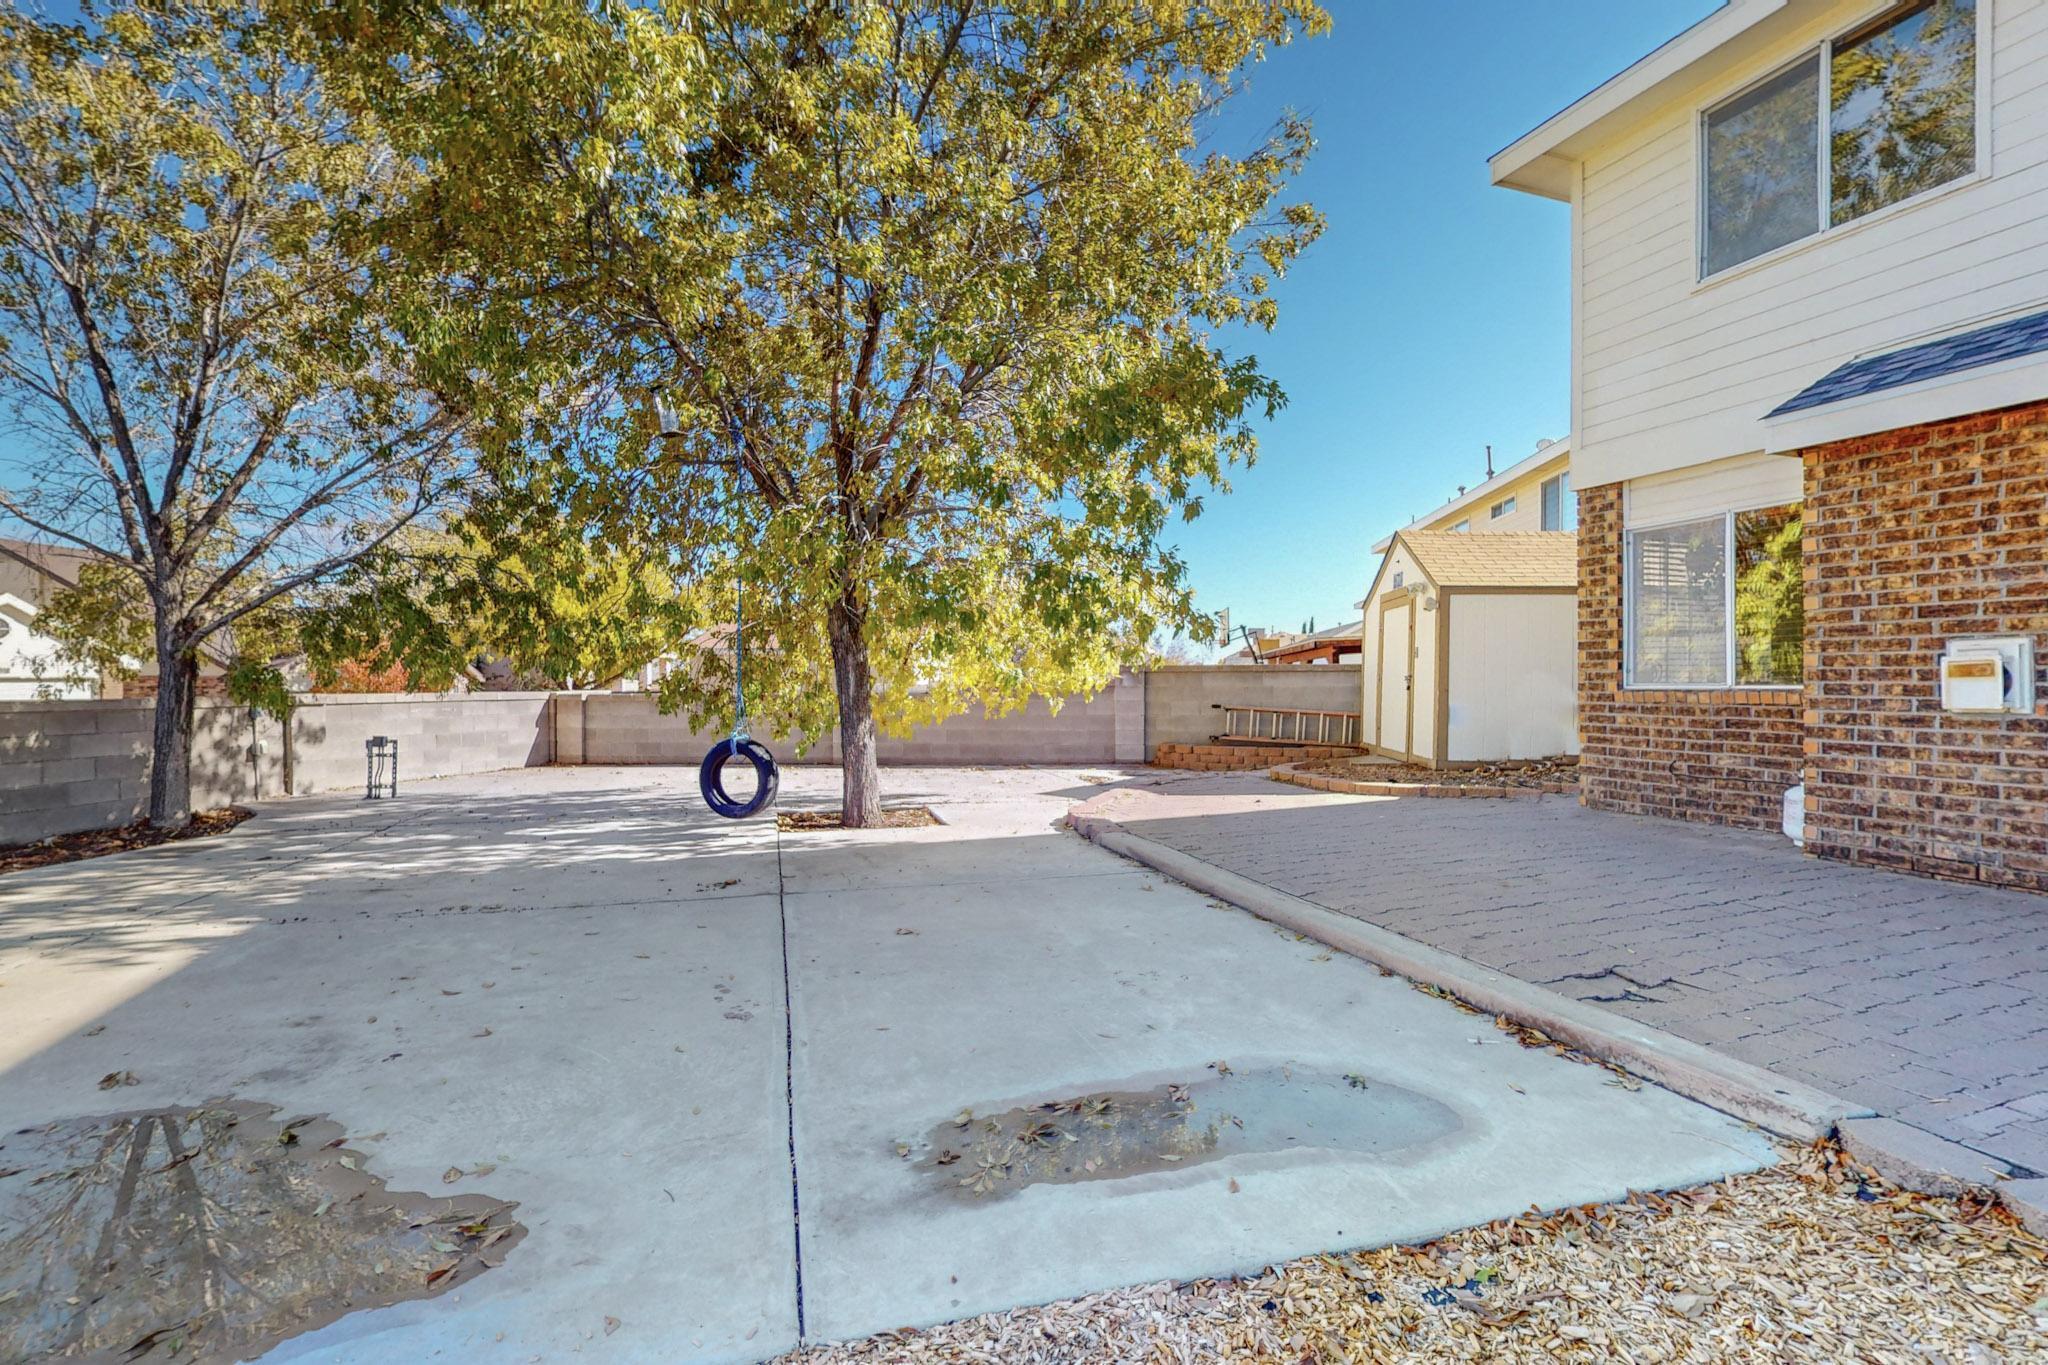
711	779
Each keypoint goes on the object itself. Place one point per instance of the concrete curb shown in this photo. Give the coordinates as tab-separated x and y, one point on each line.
1919	1160
1747	1092
1292	773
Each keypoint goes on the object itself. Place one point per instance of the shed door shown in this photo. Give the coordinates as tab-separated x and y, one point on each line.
1393	721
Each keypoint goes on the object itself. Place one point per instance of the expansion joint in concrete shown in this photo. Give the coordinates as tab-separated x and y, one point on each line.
796	1210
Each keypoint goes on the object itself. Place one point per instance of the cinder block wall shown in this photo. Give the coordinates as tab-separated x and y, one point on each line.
1723	756
627	728
1181	702
1912	538
437	736
73	765
68	766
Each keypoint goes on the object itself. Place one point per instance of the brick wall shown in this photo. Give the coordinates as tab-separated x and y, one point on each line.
1724	756
1912	537
213	687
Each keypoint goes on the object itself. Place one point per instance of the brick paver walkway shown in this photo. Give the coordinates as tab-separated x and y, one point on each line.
1927	1001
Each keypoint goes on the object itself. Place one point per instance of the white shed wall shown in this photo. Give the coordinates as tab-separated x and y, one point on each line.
1513	686
1671	371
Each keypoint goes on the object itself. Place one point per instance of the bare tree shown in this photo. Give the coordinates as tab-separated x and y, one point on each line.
222	386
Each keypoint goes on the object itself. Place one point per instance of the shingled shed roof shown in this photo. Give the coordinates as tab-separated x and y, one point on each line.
1504	559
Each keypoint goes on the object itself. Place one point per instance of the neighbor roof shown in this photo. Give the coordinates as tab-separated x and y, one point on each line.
1473	497
2001	341
1503	559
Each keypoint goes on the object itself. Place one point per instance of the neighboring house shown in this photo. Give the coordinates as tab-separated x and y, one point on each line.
1810	406
30	667
1534	494
1259	648
1469	647
1337	645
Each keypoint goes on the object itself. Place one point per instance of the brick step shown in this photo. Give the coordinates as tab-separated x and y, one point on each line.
1241	757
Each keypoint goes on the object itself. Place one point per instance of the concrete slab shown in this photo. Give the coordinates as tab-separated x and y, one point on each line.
620	1058
576	976
946	992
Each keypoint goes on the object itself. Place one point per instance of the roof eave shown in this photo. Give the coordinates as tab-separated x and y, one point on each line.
1541	161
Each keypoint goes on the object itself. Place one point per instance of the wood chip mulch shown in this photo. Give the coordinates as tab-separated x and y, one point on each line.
1538	773
806	821
1812	1260
95	843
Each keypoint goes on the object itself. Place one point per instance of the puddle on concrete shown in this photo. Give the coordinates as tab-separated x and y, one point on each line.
213	1233
1111	1134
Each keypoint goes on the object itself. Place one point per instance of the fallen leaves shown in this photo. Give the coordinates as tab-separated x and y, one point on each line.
114	1080
70	848
1787	1264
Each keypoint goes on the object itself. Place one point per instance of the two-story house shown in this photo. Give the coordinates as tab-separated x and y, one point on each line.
1469	628
1810	403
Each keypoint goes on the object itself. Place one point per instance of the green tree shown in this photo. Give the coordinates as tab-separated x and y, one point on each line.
934	289
230	389
545	598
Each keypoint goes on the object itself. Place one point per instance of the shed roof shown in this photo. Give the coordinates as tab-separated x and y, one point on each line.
1496	559
2001	341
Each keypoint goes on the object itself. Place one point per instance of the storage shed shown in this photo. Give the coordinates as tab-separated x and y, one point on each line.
1470	647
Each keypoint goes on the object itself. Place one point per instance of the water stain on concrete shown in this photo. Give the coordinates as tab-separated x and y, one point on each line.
212	1233
1116	1133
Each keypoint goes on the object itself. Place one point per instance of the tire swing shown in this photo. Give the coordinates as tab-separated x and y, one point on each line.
711	775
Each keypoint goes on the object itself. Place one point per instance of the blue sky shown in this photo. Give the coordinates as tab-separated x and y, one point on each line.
1433	316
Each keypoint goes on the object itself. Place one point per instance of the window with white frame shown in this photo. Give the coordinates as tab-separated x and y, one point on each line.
1560	513
1464	525
1717	602
1501	509
1874	117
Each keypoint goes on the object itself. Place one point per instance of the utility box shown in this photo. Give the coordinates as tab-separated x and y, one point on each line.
1988	675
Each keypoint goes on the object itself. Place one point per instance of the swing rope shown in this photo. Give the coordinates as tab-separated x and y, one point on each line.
711	776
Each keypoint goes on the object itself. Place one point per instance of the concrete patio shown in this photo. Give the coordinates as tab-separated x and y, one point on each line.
716	1066
1925	1001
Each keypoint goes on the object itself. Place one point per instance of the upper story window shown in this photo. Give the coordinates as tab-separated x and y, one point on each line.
1560	513
1795	155
1464	525
1501	508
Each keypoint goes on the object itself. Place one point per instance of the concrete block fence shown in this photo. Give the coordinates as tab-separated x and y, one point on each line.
75	765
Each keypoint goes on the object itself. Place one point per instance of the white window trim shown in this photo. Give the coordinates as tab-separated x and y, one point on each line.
1628	605
1506	507
1830	231
1561	481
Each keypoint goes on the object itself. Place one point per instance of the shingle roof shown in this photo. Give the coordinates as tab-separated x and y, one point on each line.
2006	340
1496	559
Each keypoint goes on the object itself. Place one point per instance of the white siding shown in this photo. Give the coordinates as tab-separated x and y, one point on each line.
1705	490
1672	372
1513	691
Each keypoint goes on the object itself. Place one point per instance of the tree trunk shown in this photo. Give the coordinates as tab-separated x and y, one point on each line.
854	682
170	768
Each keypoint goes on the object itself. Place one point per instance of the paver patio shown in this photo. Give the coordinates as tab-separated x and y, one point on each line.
1925	1000
706	1060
